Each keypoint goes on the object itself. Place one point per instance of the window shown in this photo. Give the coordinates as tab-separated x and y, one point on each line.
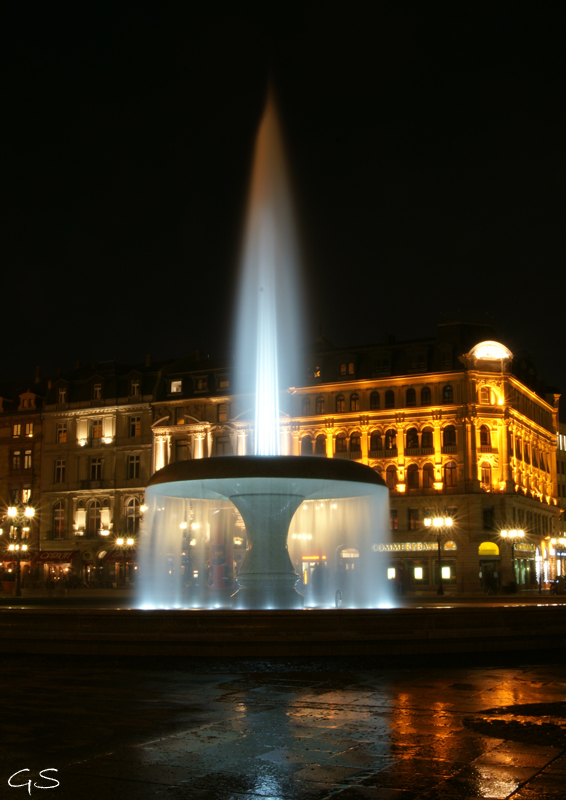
316	371
26	495
519	449
224	382
449	436
343	369
411	400
413	476
391	439
351	368
16	460
355	443
412	438
340	403
222	412
96	469
393	519
450	474
135	426
97	429
389	399
201	384
320	405
485	395
135	388
355	402
132	514
341	443
375	442
488	514
133	466
306	406
306	446
413	519
391	476
223	446
97	391
16	430
320	445
29	429
374	401
427	439
27	459
181	450
428	476
59	520
485	437
176	387
426	396
62	395
486	475
59	471
94	518
61	432
447	394
179	416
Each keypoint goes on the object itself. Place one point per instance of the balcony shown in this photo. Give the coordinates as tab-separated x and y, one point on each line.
448	449
375	453
355	455
487	448
412	451
391	452
342	454
427	451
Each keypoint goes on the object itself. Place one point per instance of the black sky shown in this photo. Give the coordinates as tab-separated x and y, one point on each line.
426	143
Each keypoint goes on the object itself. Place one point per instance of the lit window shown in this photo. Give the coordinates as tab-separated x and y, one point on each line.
341	443
94	517
412	438
179	416
343	369
485	437
391	439
27	459
29	429
427	437
96	469
201	384
351	368
176	387
486	475
16	430
134	388
62	395
418	573
26	495
355	402
97	429
340	403
320	405
133	466
135	426
16	460
61	432
317	371
413	519
355	443
59	520
446	573
97	393
391	573
132	514
393	519
222	412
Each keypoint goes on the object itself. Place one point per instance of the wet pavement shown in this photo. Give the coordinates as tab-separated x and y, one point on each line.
284	728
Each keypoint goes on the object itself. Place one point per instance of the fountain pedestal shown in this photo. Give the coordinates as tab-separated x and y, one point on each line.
267	578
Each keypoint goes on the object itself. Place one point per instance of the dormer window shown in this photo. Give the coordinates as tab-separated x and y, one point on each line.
176	387
224	382
201	384
62	395
97	391
135	388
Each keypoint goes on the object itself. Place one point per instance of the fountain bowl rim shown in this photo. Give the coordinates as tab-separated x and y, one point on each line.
293	467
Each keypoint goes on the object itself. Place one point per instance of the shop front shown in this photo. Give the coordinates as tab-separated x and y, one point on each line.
524	562
413	566
489	568
55	567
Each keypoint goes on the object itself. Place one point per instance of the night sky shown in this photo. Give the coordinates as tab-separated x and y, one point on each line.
426	145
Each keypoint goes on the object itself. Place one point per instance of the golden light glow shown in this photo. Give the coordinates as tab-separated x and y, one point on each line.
183	526
129	541
143	508
29	511
437	486
119	540
401	487
12	511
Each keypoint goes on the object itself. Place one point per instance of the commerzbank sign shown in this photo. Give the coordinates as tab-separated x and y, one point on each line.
412	547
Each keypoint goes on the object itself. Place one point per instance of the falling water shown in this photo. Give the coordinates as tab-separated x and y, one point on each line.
268	324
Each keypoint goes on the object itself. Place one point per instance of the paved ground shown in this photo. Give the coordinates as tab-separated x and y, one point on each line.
252	730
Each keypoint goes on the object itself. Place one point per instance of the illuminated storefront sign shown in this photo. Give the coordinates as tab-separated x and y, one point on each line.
412	547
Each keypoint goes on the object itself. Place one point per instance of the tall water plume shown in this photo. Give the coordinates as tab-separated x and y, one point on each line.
268	338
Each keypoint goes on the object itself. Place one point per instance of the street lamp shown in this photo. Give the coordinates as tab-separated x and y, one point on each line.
124	543
441	526
19	518
511	537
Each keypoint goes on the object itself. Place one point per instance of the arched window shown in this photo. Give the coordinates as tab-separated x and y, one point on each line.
413	476
355	443
374	401
391	476
426	396
375	442
450	474
486	395
341	443
389	399
391	439
412	438
306	446
343	369
306	406
354	402
518	449
486	475
485	436
59	520
351	368
320	445
428	476
427	438
449	436
132	514
94	518
448	394
340	403
320	405
411	400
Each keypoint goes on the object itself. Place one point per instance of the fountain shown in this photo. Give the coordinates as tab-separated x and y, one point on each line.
264	492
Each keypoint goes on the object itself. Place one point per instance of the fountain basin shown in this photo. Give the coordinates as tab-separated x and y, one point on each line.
267	491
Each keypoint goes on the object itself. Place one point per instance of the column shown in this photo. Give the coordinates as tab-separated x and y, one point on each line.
330	442
198	445
365	444
296	443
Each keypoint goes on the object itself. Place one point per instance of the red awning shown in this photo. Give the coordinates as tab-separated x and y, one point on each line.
55	556
117	555
10	558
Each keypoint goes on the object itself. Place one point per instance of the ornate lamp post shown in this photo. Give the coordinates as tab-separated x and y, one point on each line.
441	527
511	537
124	544
19	518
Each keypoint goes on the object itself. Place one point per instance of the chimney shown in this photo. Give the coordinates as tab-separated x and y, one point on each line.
59	371
37	374
148	360
77	364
